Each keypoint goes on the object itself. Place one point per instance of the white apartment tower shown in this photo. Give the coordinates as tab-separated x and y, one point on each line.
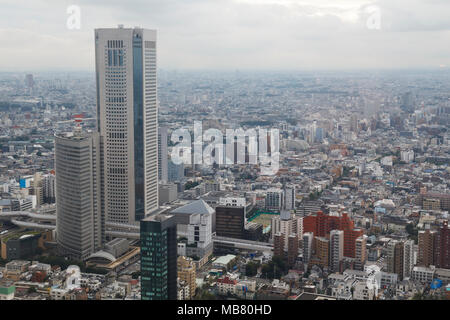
127	115
336	249
289	197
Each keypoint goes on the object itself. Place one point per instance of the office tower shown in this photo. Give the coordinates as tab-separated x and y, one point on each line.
395	258
408	258
336	249
308	239
274	199
163	162
79	223
127	120
278	244
442	247
187	273
292	249
289	198
426	241
360	252
158	257
230	221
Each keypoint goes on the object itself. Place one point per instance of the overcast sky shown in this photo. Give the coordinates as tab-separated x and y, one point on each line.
234	34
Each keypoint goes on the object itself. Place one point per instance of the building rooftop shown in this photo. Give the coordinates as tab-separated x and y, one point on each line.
198	206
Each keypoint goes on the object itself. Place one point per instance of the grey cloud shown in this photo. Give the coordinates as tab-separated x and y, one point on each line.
229	34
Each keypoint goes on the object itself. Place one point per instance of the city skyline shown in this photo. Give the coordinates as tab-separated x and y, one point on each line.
260	182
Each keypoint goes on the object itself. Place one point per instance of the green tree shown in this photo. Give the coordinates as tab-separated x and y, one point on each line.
251	269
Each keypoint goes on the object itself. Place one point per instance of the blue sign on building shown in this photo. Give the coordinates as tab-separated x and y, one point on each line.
436	284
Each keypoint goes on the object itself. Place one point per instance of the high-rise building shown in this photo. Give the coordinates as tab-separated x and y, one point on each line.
163	161
127	120
283	224
336	249
48	188
230	221
395	258
360	252
426	241
321	225
442	247
274	199
408	258
289	198
292	249
158	234
322	252
278	244
187	273
308	239
79	223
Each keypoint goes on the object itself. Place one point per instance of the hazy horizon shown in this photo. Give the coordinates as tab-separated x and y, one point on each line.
228	35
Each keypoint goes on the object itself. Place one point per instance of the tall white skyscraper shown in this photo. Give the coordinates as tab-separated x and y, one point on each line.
127	115
289	197
336	249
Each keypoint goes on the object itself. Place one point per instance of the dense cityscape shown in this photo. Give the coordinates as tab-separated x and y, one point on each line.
95	203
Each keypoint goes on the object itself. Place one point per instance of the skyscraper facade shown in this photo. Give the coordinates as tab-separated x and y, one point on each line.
336	249
158	234
79	223
127	120
163	161
360	252
395	258
442	247
230	221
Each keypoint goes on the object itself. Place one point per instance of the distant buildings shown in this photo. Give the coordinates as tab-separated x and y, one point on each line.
321	225
175	172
